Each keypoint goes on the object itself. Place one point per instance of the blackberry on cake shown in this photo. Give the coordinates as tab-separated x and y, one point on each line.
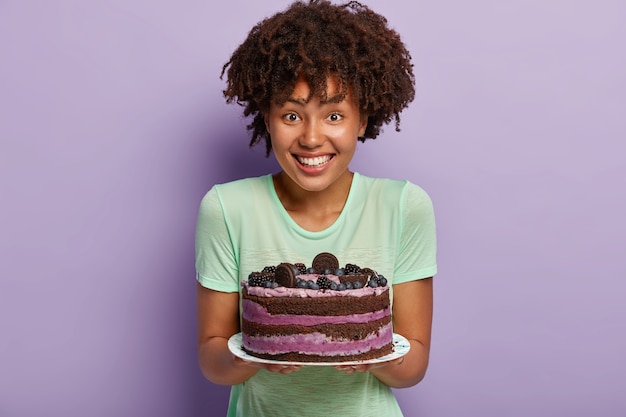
352	269
301	268
258	279
323	282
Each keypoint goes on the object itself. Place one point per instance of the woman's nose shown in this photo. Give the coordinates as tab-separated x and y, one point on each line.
311	136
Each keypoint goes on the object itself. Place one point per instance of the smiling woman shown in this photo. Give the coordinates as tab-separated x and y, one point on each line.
316	78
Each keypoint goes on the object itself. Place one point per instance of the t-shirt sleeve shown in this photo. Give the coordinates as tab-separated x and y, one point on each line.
216	266
417	249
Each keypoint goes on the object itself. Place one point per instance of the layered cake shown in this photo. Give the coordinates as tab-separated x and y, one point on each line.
321	313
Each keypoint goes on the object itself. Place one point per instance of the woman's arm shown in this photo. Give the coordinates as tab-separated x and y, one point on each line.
412	318
218	320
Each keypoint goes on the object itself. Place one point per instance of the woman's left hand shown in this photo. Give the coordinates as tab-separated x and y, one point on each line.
412	318
366	367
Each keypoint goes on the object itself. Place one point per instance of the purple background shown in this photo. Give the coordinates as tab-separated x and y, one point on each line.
112	128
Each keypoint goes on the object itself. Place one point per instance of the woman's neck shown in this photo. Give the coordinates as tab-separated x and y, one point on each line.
313	210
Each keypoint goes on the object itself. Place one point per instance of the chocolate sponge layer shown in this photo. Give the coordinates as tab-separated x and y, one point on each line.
321	306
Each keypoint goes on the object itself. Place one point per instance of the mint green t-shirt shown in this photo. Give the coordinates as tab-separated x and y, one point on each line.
387	225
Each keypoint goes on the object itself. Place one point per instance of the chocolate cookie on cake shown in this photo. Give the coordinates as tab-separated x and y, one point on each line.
323	313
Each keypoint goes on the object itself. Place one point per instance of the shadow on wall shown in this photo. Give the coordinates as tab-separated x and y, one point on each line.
220	155
201	397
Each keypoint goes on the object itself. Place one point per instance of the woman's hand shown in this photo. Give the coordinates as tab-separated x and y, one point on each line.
412	318
365	367
218	320
271	367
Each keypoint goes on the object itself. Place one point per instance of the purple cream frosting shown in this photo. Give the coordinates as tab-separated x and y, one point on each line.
253	312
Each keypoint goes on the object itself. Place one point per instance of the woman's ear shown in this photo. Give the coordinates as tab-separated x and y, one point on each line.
266	119
364	119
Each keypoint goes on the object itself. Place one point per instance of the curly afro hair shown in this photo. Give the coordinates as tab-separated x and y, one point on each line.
319	40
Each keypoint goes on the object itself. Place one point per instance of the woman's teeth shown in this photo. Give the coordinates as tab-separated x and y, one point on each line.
313	162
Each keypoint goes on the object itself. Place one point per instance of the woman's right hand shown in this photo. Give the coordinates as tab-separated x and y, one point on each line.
283	369
218	320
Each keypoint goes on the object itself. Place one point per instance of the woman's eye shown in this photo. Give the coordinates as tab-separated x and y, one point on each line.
291	117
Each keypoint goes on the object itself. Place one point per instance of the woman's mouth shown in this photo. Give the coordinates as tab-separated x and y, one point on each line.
314	162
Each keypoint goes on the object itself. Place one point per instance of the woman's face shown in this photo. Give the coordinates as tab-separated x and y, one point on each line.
314	141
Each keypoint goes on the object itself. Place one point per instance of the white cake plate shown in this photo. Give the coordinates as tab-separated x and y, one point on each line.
401	347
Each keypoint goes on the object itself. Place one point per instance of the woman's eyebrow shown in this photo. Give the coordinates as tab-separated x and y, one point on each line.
299	101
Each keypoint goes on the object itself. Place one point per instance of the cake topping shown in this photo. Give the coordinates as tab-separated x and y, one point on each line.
325	261
324	274
324	283
260	279
352	269
380	280
301	268
285	275
367	271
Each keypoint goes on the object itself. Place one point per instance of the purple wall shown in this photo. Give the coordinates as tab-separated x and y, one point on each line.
112	127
